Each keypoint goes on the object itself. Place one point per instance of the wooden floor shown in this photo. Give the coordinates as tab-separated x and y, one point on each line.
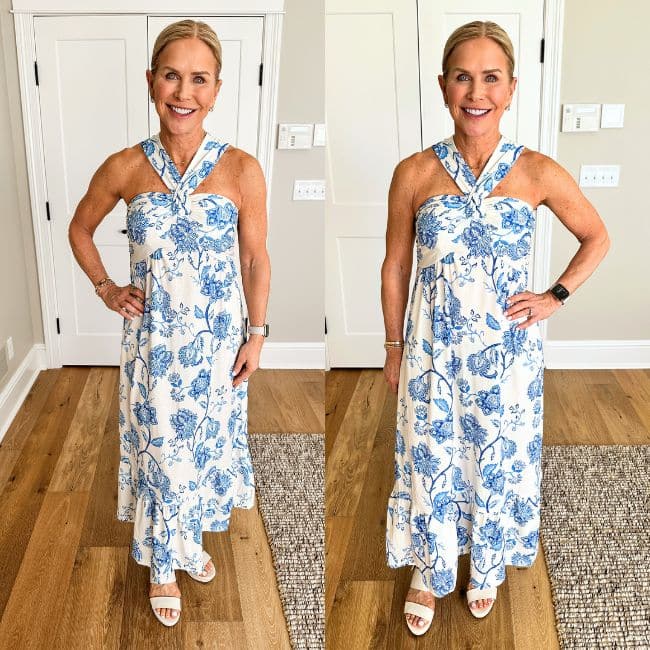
364	598
66	577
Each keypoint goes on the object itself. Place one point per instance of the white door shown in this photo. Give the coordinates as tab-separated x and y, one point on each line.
94	101
368	104
373	120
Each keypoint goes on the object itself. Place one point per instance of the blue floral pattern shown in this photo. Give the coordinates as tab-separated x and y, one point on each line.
469	416
184	457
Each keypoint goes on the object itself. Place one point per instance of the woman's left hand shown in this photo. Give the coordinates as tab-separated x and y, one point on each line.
533	307
248	359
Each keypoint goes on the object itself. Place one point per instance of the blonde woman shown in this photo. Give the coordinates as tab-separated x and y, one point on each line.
186	355
469	371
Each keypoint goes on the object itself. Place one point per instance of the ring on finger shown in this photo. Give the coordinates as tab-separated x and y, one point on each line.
530	312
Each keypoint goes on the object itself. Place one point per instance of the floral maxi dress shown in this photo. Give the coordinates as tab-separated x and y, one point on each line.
469	415
184	457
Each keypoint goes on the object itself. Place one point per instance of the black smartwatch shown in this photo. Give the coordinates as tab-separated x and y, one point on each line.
560	292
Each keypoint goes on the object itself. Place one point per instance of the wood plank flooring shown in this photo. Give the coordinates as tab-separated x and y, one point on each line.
364	598
66	577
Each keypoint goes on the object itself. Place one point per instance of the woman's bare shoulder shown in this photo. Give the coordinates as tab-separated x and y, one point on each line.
538	166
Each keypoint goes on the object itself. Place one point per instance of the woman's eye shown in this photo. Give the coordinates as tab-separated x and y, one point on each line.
199	80
463	77
170	75
491	78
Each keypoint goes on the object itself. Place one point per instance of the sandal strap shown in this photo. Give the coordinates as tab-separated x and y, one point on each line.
425	613
477	594
169	602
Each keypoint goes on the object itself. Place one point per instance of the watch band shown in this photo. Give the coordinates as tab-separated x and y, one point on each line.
256	329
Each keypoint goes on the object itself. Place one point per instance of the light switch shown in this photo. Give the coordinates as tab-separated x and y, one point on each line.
309	190
599	175
319	135
611	116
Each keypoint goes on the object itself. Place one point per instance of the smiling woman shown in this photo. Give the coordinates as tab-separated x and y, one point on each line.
186	353
469	370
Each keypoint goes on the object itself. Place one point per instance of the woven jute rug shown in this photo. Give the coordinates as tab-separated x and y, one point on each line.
289	479
595	530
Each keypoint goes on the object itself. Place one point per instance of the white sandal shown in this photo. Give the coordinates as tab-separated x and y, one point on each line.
422	611
169	602
210	576
477	594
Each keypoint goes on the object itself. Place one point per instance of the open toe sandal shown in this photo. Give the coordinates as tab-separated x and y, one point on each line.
169	602
477	594
422	611
209	576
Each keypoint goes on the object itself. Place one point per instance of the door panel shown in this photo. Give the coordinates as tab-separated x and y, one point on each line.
93	100
373	120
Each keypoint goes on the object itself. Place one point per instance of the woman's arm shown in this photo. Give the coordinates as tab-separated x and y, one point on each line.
563	196
102	196
396	269
254	262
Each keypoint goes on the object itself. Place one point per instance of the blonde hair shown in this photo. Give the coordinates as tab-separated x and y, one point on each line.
479	29
187	29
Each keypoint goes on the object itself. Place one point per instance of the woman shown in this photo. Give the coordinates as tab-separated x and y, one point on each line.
470	367
185	356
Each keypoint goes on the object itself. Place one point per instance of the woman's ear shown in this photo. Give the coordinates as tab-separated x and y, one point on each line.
443	87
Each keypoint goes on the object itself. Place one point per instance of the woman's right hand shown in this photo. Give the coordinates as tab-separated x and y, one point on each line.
392	368
128	301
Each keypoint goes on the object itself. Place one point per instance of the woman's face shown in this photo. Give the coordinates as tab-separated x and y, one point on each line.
478	87
184	86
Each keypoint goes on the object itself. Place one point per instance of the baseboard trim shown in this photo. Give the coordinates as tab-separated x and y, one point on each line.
293	355
19	384
597	354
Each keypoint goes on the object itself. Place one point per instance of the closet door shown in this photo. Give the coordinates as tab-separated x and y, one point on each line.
235	117
373	121
93	102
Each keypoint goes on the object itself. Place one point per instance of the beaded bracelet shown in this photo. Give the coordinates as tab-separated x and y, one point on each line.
102	283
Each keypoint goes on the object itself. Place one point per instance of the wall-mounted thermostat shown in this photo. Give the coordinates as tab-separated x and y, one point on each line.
580	117
295	136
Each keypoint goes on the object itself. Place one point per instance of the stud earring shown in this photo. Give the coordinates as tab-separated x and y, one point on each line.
211	108
508	107
151	98
446	105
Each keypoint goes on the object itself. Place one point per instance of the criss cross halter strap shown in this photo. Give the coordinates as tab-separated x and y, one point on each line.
181	187
475	190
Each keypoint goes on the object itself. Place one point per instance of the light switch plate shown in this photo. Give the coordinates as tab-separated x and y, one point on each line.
319	135
612	116
599	175
309	190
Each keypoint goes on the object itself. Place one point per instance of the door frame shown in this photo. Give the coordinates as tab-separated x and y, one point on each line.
24	13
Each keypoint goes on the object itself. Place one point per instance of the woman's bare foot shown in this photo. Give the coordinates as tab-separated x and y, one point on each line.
167	589
425	598
481	603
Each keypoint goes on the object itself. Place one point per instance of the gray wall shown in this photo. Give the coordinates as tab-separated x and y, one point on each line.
20	315
605	60
296	228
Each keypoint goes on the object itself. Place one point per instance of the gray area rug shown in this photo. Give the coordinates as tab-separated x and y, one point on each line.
289	478
595	531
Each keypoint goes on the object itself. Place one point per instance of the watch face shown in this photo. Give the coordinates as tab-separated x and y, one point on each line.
560	291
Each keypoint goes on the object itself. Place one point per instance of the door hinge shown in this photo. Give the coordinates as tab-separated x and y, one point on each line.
47	209
261	74
541	51
325	324
58	326
36	72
